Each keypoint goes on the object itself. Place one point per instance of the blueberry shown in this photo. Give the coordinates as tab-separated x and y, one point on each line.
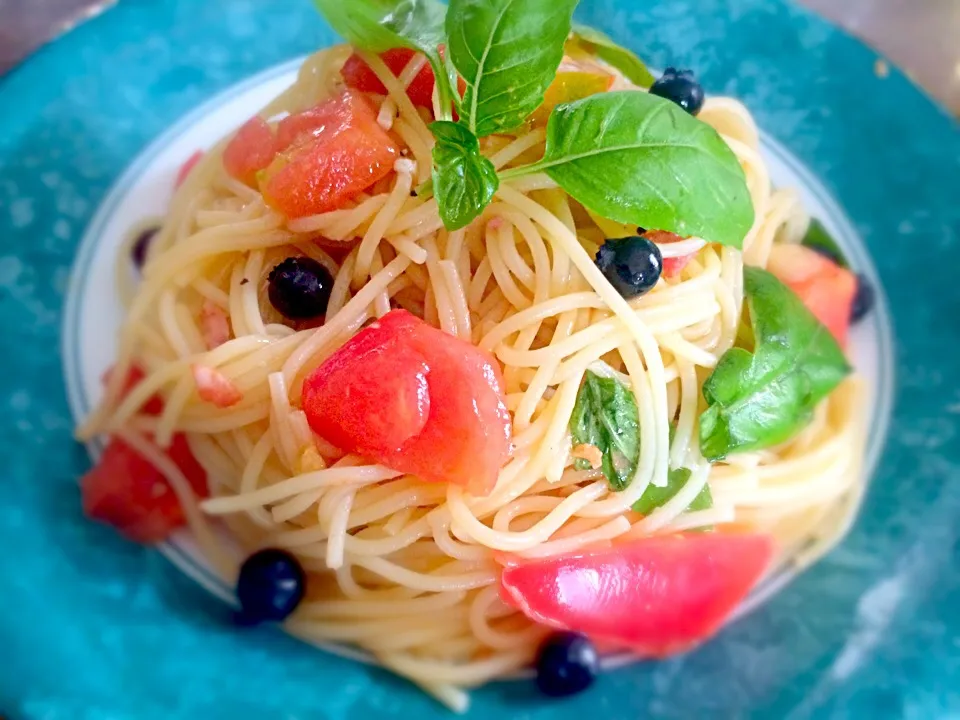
141	245
567	663
270	586
864	300
300	288
631	264
680	87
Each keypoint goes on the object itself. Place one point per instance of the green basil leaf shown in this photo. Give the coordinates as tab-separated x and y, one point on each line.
606	416
654	497
819	238
464	181
380	25
507	52
641	160
759	399
596	43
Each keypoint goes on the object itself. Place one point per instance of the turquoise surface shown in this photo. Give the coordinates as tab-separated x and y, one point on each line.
94	628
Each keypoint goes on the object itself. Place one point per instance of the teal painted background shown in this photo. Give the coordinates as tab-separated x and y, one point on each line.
93	628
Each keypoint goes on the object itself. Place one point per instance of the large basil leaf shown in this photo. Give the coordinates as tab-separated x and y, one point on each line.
379	25
593	42
606	416
464	181
654	497
636	158
759	399
508	52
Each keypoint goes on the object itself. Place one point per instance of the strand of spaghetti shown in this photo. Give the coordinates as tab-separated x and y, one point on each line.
296	485
457	297
373	236
338	527
425	582
466	674
517	147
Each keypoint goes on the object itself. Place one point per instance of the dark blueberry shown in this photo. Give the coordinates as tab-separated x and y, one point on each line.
680	87
567	663
141	245
300	288
270	586
864	300
631	264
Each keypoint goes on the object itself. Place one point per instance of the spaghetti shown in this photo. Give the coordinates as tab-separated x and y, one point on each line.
409	570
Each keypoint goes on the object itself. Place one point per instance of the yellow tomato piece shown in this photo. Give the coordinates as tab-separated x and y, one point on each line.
567	86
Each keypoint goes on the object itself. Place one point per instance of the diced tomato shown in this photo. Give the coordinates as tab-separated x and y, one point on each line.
357	74
347	155
570	83
126	491
214	387
656	595
671	265
187	166
153	405
214	324
827	289
249	151
416	399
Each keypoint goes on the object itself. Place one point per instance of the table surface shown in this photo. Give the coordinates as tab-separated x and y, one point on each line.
920	36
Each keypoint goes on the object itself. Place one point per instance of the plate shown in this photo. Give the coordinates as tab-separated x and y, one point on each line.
103	615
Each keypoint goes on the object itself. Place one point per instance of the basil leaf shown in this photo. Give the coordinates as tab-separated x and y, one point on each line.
759	399
642	160
464	181
605	415
818	238
380	25
654	497
508	52
593	42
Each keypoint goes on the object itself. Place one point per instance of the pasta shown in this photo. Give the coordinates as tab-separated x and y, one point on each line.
407	569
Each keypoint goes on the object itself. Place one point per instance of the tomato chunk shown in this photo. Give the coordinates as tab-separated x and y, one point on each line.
335	151
415	399
827	289
357	74
671	265
135	375
655	595
572	82
250	150
126	491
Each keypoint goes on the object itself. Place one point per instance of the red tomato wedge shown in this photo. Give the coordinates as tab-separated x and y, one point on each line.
126	491
187	166
249	151
358	75
335	151
827	289
656	595
671	265
153	405
416	399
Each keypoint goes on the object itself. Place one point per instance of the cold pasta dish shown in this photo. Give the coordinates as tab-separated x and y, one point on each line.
482	348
